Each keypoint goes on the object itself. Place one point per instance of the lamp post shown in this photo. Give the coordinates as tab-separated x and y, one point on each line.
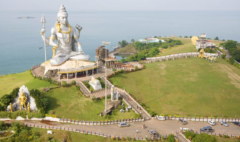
43	21
106	43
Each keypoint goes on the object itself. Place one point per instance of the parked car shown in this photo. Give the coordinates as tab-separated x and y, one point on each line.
236	123
224	123
207	129
123	124
161	118
184	122
153	133
211	122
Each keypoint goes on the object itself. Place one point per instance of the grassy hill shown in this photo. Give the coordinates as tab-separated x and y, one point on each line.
186	47
11	81
186	87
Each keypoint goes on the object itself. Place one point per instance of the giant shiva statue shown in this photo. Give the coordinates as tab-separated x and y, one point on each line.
67	38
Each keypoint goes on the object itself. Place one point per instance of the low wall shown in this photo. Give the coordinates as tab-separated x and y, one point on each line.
35	119
83	131
109	122
121	90
180	55
203	119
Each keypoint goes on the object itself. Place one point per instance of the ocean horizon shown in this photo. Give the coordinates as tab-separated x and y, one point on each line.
21	41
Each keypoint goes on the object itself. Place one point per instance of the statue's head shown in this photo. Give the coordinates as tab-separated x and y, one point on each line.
62	16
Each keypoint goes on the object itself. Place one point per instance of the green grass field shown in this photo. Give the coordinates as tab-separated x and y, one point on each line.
65	102
11	81
70	103
186	87
186	47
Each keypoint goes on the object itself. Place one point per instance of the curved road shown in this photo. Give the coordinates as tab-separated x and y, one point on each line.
162	127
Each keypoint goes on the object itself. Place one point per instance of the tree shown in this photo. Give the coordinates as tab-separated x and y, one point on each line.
132	40
123	43
236	54
216	38
190	37
171	138
185	36
180	36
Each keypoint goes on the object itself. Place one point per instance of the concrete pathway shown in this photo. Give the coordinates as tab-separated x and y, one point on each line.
100	93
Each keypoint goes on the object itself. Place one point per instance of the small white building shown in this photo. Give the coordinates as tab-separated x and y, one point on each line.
203	43
142	40
151	40
95	84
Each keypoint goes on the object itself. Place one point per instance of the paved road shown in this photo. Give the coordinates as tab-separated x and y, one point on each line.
163	127
227	54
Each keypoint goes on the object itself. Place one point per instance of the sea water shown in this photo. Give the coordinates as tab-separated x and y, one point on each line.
21	43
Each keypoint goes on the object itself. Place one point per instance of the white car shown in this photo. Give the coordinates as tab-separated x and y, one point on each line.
211	122
224	123
161	118
123	124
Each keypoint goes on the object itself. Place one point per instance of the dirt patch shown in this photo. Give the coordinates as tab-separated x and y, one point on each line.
235	78
162	67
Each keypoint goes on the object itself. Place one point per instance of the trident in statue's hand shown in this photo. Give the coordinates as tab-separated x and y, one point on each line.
43	21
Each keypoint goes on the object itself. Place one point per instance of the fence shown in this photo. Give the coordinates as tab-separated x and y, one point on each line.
128	95
117	136
104	122
203	119
84	89
237	62
176	56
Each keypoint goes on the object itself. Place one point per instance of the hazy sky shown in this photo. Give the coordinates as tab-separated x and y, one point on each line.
121	5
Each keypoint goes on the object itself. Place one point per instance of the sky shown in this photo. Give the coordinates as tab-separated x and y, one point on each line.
120	5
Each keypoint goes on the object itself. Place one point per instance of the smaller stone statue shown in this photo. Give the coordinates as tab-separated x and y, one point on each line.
11	108
22	100
28	106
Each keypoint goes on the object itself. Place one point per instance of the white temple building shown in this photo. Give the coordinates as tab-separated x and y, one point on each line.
95	84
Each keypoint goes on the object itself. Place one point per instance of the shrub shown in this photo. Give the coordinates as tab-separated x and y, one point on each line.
40	101
136	68
171	138
64	84
231	61
8	98
189	134
73	82
114	69
223	56
101	81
